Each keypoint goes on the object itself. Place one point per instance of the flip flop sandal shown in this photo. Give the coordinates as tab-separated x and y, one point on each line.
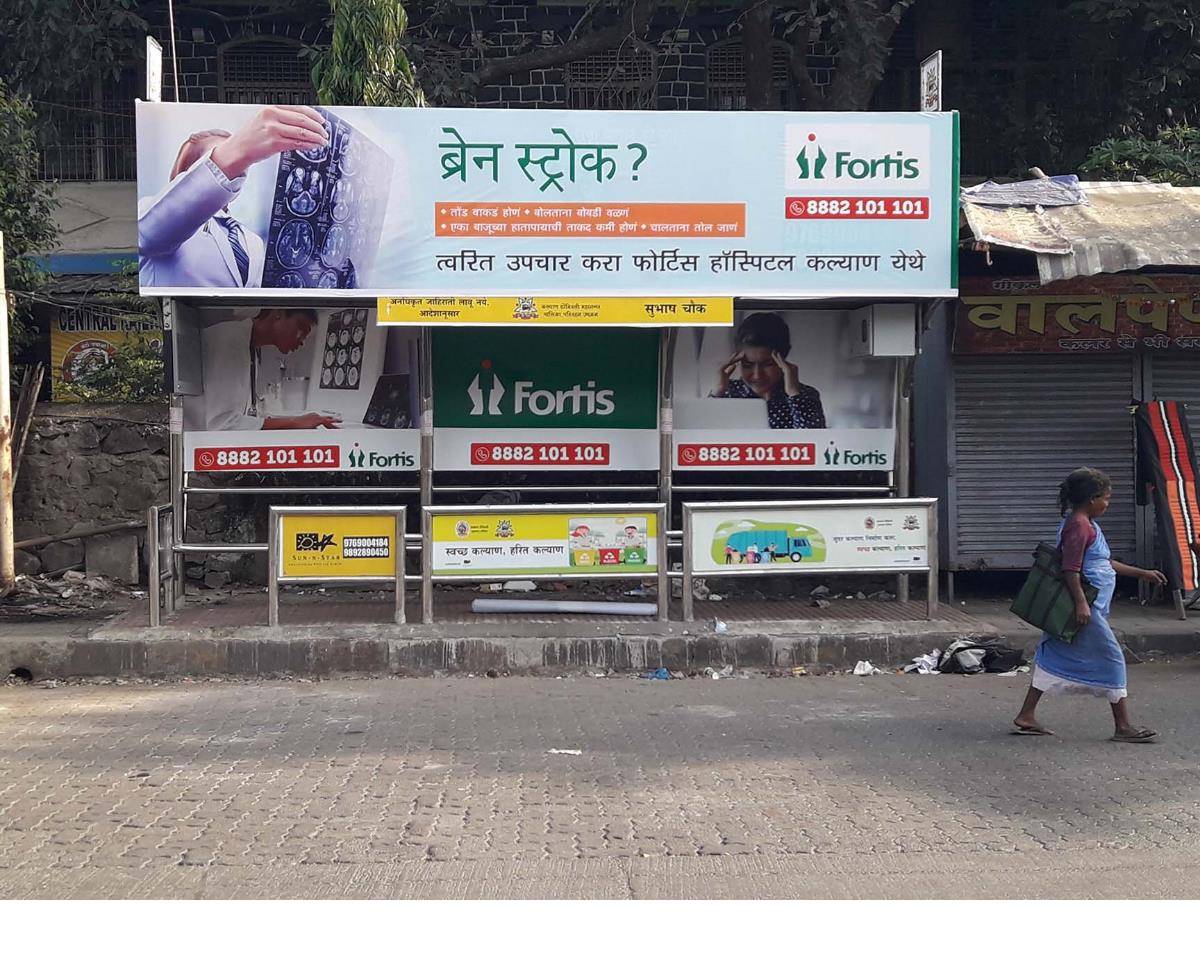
1031	731
1145	735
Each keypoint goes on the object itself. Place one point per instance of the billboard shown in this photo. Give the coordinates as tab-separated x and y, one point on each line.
303	389
84	340
845	536
584	544
572	398
781	391
355	201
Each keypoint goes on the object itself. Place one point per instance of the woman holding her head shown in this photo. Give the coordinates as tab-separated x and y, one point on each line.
759	368
1093	663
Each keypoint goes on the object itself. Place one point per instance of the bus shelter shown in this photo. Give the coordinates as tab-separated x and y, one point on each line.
546	334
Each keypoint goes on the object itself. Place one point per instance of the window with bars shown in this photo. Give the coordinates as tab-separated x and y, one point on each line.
727	74
620	79
264	73
91	135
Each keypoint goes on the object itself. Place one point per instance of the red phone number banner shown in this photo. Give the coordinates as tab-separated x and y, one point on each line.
543	453
215	459
690	454
862	208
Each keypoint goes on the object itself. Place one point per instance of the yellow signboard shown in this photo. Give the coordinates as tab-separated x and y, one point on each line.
497	543
83	340
549	311
326	546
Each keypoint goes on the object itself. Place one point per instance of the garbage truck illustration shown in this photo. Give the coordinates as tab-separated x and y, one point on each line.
746	542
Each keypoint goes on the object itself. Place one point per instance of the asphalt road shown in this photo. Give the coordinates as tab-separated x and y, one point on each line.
819	787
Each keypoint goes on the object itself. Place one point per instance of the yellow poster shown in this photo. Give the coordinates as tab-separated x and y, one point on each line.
545	544
324	546
550	311
83	340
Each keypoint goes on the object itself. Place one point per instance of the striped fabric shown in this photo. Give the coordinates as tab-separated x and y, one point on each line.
1167	461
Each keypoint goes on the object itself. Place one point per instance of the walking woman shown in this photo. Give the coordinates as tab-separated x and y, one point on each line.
1094	662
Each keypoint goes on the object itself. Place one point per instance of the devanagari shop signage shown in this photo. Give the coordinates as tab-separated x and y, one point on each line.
553	203
1109	314
557	311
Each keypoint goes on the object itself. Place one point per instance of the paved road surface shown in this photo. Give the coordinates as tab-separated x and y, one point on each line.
812	787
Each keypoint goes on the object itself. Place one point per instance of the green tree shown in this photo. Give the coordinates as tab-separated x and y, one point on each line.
133	373
1171	156
366	62
26	212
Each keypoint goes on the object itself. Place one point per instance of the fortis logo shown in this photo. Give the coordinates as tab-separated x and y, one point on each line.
581	399
850	457
812	159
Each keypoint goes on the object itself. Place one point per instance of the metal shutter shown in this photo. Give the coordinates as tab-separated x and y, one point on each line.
1177	378
1021	423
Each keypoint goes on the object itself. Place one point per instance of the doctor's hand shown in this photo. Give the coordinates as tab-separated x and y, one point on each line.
272	130
310	420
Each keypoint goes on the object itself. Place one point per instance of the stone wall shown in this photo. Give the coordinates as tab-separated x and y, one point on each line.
84	466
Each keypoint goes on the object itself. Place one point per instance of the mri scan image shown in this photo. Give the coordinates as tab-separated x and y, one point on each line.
303	191
295	245
327	212
345	340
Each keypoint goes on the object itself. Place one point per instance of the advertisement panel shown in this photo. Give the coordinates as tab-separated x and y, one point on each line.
243	199
781	391
843	536
545	399
303	389
326	546
557	311
584	544
84	339
1110	314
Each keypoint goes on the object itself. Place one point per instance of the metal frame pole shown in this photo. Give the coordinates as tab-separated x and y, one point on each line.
903	455
426	566
400	553
175	448
154	572
931	588
666	419
689	600
426	398
664	581
273	519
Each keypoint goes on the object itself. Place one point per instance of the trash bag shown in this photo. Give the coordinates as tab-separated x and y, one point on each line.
962	657
999	659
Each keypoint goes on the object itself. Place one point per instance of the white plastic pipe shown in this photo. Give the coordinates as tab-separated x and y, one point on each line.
563	606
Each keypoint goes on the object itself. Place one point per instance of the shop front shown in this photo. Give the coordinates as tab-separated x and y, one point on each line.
491	309
1040	380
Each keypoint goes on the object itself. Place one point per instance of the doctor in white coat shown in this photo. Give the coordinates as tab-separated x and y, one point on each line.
242	360
186	234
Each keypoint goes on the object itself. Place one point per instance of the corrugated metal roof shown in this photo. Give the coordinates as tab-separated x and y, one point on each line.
1121	226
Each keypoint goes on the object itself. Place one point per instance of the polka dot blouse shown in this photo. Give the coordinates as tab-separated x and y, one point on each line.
799	411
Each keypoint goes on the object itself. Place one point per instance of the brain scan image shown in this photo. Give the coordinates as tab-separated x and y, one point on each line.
344	350
342	356
326	377
359	333
343	336
295	245
303	191
339	376
329	358
333	249
356	352
327	214
352	377
340	200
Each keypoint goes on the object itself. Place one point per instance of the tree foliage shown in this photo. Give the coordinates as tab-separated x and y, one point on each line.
367	61
133	373
26	212
1171	156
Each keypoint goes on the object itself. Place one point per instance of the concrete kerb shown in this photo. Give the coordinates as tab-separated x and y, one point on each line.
418	650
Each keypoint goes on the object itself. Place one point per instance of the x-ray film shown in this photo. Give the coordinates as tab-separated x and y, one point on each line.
327	214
